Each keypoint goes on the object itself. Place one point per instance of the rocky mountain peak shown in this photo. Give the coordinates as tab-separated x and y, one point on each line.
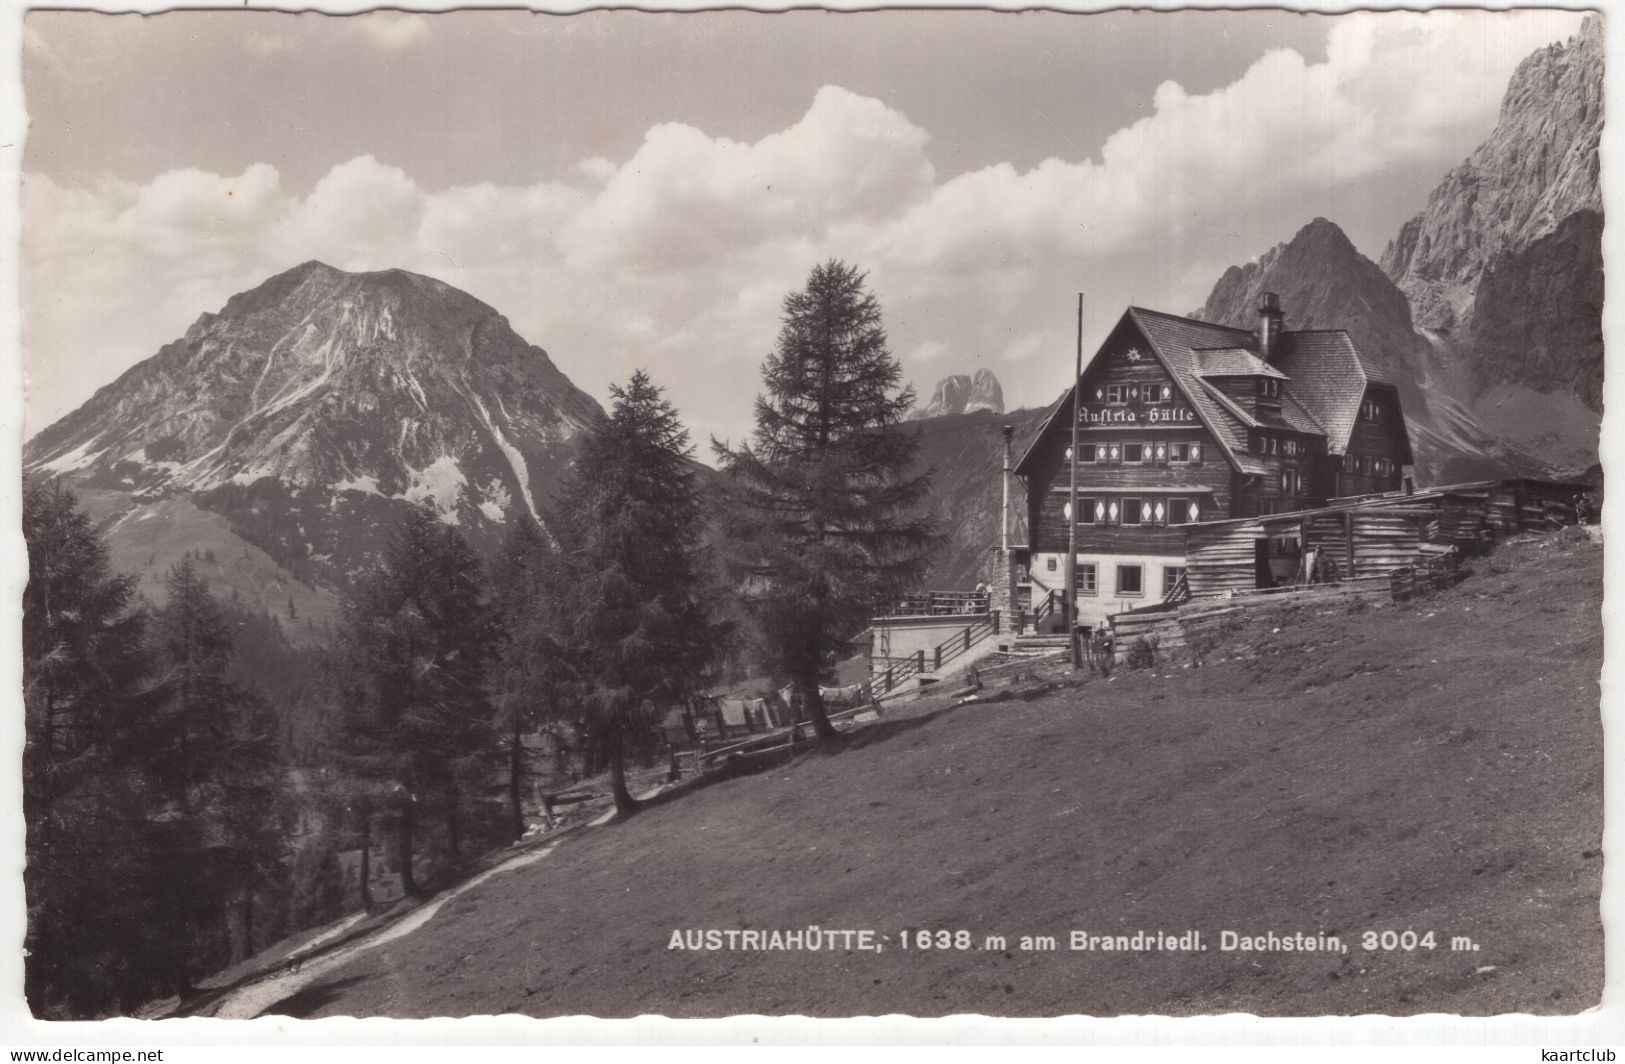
1539	166
353	391
1324	283
962	394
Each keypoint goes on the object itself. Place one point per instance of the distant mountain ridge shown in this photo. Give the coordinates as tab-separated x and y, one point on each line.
962	394
313	409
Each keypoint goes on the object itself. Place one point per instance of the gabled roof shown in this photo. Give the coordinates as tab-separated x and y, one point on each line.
1329	378
1234	362
1174	341
1325	373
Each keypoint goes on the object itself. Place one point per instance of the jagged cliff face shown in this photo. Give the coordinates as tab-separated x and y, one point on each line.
311	410
961	394
1537	315
1537	168
1487	308
1504	268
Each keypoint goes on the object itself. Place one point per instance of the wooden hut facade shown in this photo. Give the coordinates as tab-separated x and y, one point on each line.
1183	423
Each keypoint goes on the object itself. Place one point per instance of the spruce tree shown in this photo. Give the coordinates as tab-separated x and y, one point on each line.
416	716
533	593
87	691
218	765
644	634
825	523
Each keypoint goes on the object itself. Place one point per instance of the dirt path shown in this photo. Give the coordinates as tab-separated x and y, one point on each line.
250	1001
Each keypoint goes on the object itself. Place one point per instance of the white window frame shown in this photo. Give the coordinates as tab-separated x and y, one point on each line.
1174	571
1092	570
1116	395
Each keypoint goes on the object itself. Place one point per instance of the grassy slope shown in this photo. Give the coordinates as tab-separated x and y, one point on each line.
966	452
147	540
1433	766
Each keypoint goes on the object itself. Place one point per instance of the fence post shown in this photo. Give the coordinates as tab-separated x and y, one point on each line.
995	622
919	660
967	639
936	662
888	677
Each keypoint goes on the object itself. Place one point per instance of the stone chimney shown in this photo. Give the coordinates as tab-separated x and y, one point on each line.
1270	317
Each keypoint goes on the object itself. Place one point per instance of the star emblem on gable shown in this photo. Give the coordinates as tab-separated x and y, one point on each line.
1133	354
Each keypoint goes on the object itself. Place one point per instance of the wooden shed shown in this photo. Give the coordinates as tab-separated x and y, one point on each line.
1373	535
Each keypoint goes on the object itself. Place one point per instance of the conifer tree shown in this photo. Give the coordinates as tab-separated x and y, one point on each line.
217	762
645	634
416	714
825	522
86	691
533	592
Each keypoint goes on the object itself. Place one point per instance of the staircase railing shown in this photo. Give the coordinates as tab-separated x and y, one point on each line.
955	645
1030	619
896	672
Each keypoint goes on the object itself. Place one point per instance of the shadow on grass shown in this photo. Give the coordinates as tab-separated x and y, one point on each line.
301	1004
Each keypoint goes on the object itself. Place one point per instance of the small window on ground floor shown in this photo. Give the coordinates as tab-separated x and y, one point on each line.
1130	580
1088	578
1171	575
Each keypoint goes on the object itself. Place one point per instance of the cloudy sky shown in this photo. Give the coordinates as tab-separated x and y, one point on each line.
639	190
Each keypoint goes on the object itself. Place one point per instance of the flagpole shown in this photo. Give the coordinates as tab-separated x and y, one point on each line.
1072	507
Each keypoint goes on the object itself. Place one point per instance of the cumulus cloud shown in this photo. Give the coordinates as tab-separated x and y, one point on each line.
677	257
685	197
